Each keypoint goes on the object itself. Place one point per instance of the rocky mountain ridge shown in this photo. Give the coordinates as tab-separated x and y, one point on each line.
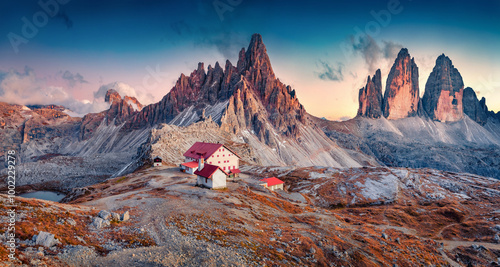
444	98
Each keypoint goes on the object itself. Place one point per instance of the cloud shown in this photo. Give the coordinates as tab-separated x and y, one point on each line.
227	42
391	49
372	52
73	79
124	90
330	73
25	88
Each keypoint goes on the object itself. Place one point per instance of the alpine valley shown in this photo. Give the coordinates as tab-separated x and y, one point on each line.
410	181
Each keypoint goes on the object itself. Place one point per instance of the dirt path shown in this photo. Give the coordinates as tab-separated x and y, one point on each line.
451	244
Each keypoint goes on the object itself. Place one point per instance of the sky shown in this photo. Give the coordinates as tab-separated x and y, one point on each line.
70	52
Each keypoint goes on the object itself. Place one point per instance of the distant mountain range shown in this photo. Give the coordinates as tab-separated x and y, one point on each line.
249	107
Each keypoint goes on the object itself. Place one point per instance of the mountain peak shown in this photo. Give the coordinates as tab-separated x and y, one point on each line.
256	40
112	96
370	97
403	52
401	96
256	57
444	91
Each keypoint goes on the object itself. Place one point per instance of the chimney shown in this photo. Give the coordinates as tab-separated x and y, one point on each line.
201	163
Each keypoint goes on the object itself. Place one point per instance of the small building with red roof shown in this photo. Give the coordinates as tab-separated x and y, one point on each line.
157	161
272	183
189	167
213	154
210	176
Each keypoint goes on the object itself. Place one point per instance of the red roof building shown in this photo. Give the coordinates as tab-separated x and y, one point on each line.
191	164
214	154
205	150
208	170
272	183
211	176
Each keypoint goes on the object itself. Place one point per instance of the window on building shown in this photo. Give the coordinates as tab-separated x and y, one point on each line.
219	162
224	168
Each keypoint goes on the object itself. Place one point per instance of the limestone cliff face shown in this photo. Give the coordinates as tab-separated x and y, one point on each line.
370	97
442	99
252	76
401	97
474	108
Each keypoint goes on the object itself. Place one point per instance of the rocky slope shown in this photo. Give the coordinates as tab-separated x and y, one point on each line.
60	152
326	216
401	97
416	142
443	94
370	97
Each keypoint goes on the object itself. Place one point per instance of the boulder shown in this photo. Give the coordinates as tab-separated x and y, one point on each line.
46	239
115	216
104	214
99	223
125	216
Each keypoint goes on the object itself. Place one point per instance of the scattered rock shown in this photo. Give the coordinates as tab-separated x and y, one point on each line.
46	239
71	222
115	216
104	214
385	236
99	223
398	241
125	216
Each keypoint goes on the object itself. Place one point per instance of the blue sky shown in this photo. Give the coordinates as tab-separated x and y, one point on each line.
324	49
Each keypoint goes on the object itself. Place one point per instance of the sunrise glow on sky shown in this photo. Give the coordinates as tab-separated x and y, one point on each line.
63	52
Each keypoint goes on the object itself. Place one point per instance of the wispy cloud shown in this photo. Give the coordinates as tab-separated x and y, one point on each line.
227	42
329	72
372	52
73	79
